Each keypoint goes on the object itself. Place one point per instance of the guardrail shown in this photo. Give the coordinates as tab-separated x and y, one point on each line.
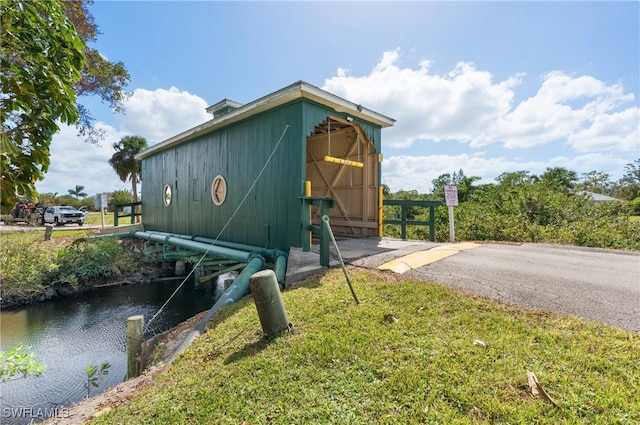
133	213
404	221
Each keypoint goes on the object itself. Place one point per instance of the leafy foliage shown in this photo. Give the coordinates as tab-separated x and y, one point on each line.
46	65
30	267
124	163
23	265
95	375
41	58
120	197
17	362
78	192
630	182
85	261
523	207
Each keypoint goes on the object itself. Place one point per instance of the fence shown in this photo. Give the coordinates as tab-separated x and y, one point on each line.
405	221
133	212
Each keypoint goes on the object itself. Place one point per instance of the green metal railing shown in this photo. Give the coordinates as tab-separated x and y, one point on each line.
404	221
118	208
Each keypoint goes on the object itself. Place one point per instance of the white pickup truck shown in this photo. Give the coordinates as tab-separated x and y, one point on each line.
61	215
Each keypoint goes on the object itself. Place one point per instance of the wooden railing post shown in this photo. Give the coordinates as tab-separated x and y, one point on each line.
135	325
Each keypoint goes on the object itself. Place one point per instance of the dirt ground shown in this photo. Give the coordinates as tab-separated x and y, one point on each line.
123	393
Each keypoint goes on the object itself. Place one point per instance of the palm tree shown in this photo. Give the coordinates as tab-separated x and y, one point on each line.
77	192
124	162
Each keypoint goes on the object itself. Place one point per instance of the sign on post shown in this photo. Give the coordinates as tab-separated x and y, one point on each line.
100	201
451	198
451	195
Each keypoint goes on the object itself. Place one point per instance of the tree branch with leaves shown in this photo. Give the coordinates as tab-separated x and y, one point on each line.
45	65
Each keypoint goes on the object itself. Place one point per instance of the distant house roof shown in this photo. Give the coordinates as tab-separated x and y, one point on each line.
295	91
596	197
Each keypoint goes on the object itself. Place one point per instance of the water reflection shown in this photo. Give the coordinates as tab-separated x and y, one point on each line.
90	328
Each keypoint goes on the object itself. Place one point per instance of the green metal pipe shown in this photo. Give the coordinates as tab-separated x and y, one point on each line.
235	291
280	268
232	254
278	256
265	252
231	295
123	235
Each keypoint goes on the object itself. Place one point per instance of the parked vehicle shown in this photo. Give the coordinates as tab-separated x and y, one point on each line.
61	215
84	210
23	213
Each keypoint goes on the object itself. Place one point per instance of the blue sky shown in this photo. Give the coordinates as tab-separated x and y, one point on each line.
486	87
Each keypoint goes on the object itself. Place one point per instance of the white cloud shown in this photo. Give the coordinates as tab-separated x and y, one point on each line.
155	115
75	162
416	172
160	114
619	131
466	105
566	114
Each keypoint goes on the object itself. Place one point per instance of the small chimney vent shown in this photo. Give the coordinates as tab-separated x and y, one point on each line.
223	107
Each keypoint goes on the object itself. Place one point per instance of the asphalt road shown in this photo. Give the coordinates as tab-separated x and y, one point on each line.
595	284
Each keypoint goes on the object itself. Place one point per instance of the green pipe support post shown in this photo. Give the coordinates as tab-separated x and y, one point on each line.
325	204
235	291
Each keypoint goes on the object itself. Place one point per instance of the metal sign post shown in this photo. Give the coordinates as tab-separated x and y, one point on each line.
451	198
99	201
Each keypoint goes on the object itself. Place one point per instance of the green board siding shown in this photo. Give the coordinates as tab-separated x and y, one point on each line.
237	153
270	213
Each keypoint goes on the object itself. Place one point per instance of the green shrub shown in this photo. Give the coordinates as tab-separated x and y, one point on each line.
88	260
531	212
23	263
635	206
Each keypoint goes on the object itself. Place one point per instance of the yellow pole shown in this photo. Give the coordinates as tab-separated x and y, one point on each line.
380	211
307	192
328	158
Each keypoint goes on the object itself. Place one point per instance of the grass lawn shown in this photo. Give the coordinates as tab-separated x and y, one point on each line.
95	218
353	364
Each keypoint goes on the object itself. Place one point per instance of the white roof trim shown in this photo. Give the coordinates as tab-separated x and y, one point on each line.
287	94
223	103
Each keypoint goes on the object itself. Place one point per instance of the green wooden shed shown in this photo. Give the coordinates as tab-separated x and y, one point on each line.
240	176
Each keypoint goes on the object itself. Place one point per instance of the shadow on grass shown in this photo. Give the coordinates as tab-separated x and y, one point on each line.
249	350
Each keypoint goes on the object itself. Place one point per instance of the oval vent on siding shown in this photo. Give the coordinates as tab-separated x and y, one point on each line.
166	195
218	190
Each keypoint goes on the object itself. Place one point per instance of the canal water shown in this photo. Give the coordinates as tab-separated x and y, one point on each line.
67	335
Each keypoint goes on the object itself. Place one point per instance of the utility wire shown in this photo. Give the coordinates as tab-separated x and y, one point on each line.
264	167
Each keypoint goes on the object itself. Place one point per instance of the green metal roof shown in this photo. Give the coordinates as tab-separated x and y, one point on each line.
295	91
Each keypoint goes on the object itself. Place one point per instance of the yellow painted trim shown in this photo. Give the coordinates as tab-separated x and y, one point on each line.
380	215
307	192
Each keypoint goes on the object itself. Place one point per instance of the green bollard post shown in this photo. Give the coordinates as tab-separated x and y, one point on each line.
268	300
